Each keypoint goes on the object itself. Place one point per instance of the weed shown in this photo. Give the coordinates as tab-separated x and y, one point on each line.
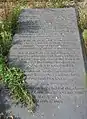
14	79
5	38
84	34
13	18
7	29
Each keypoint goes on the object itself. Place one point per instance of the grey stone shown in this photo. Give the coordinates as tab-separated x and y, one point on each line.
47	47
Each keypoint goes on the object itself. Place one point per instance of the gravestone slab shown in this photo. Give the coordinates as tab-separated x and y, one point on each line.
47	47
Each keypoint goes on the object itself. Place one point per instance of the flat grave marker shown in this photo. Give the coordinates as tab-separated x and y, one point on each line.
47	47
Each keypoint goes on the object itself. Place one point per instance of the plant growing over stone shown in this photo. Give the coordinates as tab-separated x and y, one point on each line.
14	79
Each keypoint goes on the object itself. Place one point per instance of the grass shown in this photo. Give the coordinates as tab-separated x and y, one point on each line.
5	38
59	3
14	79
47	3
82	22
83	18
85	35
7	30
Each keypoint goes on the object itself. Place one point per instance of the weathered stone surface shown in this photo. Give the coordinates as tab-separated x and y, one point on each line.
47	47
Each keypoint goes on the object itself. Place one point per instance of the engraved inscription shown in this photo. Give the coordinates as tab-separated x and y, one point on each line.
47	47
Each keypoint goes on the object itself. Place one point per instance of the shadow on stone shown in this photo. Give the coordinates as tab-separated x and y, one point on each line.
29	26
34	90
17	118
37	89
4	105
16	42
83	50
16	63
